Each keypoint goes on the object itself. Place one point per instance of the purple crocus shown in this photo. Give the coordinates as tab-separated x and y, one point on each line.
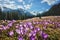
11	33
25	25
16	26
13	21
33	33
38	29
35	30
31	27
20	25
44	35
21	31
30	34
18	31
10	24
26	28
37	22
32	38
41	32
4	28
29	23
20	38
45	23
21	28
7	27
59	25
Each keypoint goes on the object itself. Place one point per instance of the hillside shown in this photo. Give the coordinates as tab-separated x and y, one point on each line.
54	11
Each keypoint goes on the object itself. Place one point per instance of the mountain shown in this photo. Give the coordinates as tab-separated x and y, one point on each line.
15	14
54	11
4	9
24	12
20	11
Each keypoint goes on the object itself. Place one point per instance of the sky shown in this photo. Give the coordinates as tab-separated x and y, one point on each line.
29	5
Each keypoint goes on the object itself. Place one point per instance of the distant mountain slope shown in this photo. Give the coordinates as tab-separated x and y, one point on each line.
20	11
54	11
8	14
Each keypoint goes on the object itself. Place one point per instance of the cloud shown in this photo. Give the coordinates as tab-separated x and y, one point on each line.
20	0
12	4
19	6
49	2
41	12
8	3
28	6
33	13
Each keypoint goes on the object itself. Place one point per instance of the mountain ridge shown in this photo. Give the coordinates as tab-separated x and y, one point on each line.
54	11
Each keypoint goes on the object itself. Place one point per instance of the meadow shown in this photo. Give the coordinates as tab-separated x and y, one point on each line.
46	28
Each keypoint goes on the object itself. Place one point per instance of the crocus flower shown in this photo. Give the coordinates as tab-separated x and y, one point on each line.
30	34
35	30
26	28
59	25
29	23
13	21
32	38
18	31
16	26
41	32
31	27
10	24
7	27
44	35
21	28
38	29
33	33
4	28
37	22
20	25
25	25
11	33
21	31
20	38
45	23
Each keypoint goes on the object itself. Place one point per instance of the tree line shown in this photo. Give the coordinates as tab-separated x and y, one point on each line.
10	15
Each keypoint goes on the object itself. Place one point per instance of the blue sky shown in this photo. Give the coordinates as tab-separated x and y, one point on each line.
30	5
